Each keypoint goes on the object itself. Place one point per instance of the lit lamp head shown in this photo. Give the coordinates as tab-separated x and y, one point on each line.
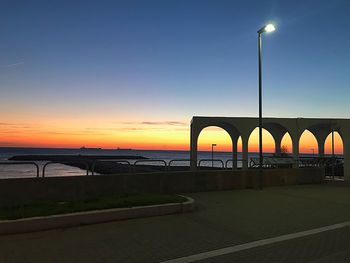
267	28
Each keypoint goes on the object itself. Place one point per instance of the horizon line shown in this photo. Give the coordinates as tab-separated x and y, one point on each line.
134	149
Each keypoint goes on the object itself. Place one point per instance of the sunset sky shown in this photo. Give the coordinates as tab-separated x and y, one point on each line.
132	74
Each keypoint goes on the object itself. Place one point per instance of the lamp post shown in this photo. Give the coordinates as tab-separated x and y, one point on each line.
212	154
267	28
333	171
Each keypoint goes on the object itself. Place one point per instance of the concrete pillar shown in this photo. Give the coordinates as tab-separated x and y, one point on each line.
245	151
193	150
234	154
295	142
321	136
277	134
278	140
346	149
320	144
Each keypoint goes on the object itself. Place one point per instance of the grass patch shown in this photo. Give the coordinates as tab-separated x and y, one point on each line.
107	202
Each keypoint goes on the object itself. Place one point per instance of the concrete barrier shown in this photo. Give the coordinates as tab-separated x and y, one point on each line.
92	217
26	190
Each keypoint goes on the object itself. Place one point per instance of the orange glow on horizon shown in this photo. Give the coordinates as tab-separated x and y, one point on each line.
267	141
338	144
286	143
308	143
221	138
135	135
160	135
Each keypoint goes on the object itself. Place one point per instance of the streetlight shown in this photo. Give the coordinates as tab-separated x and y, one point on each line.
267	28
212	154
313	152
333	171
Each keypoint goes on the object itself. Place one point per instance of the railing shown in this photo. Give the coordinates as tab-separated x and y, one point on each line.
334	166
212	161
149	161
235	161
110	160
181	160
66	162
319	161
255	162
272	162
21	163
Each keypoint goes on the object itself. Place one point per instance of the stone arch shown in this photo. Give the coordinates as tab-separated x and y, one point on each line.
286	141
266	133
218	136
312	139
277	131
197	129
210	129
320	131
339	145
346	153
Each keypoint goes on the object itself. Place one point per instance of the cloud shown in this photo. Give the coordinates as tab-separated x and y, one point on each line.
171	123
131	129
141	129
78	133
16	129
21	128
154	126
8	125
182	129
100	129
13	65
7	143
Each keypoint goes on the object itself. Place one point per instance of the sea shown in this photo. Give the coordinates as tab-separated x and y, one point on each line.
29	170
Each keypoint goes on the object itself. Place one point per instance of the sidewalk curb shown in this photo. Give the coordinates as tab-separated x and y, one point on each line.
92	217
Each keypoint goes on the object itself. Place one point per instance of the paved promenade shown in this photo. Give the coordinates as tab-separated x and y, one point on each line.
223	219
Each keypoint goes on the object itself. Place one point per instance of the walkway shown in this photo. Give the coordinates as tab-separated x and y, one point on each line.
223	219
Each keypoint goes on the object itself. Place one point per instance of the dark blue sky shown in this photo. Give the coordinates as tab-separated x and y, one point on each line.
170	60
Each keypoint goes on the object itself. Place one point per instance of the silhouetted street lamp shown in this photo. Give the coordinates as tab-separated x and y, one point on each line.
267	28
313	152
212	154
333	171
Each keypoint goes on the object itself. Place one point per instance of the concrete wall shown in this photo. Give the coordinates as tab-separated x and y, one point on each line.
25	190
